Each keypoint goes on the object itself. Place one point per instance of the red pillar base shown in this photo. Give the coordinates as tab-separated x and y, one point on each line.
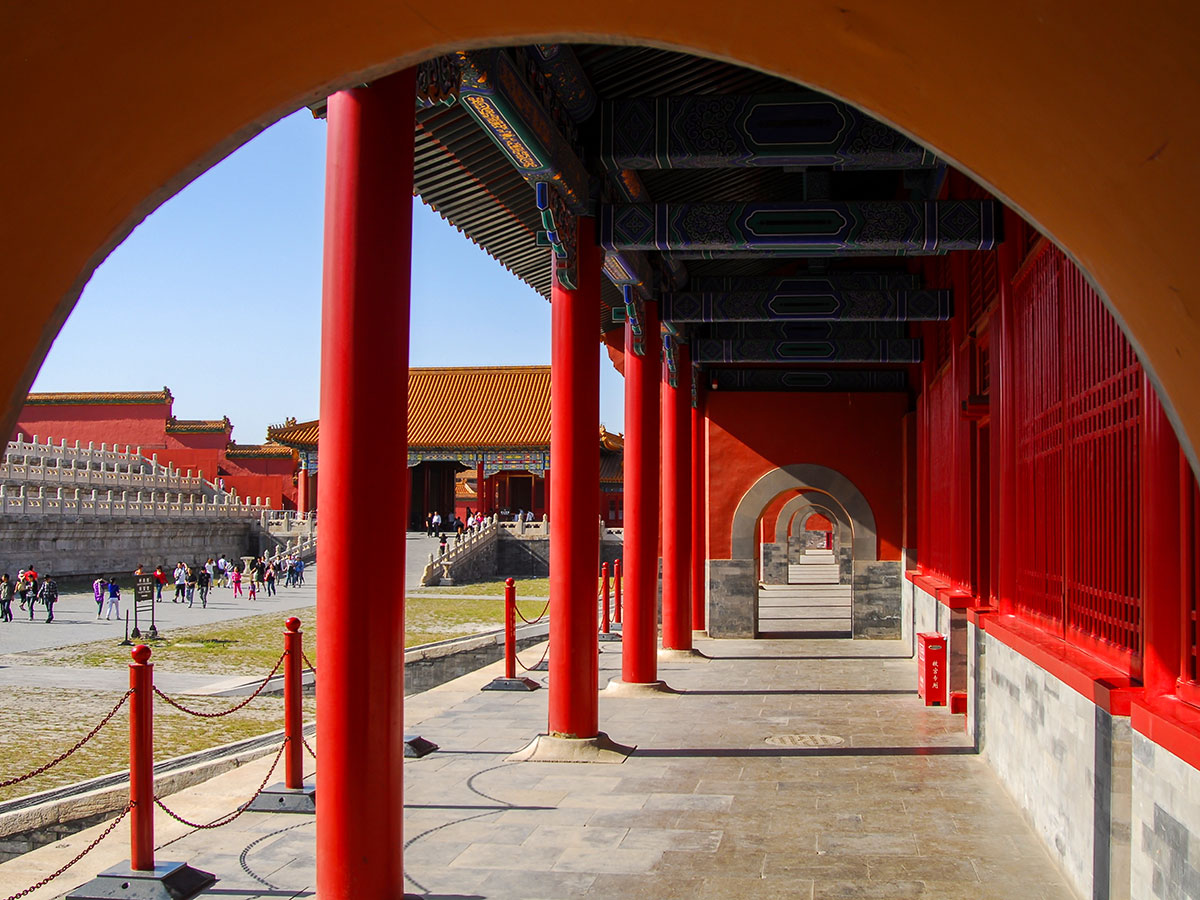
511	684
552	748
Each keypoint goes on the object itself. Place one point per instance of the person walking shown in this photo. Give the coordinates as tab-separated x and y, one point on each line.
181	573
299	571
270	579
236	579
203	582
260	570
191	586
6	595
222	571
48	594
98	587
19	589
31	589
253	589
160	579
210	566
114	601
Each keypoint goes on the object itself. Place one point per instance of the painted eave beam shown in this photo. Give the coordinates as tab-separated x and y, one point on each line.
732	131
804	331
825	227
495	94
709	350
806	379
818	305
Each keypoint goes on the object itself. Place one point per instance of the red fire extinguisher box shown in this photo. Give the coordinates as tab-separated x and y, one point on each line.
931	668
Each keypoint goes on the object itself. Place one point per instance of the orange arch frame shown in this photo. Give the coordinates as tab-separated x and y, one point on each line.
1080	113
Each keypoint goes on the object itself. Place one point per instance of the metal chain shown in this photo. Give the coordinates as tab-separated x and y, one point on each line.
539	618
308	662
545	653
87	737
225	820
206	715
311	751
86	850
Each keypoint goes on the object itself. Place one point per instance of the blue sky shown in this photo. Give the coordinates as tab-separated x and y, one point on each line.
217	295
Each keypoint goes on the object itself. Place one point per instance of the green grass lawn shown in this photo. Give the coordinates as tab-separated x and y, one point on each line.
526	587
250	646
36	724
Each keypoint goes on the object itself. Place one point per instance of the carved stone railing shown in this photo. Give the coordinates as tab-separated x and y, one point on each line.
28	502
102	468
305	547
460	551
531	530
287	523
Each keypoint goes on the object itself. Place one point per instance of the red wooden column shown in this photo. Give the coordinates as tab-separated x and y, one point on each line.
302	489
574	477
364	369
1161	596
676	505
698	511
1004	443
639	617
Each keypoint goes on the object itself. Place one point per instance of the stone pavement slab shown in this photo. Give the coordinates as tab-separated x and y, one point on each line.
730	794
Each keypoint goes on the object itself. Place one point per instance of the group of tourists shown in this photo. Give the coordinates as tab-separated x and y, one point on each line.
190	581
30	590
435	526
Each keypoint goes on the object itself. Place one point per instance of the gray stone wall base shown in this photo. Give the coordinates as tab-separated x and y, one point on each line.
76	547
732	598
1165	823
1066	761
876	603
775	563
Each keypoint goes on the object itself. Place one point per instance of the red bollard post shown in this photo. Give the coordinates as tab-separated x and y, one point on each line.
509	681
293	713
617	592
510	628
141	760
605	595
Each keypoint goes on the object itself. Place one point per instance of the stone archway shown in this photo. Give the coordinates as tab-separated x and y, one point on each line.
215	88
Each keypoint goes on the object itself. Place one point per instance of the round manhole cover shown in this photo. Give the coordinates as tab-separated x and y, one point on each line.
805	740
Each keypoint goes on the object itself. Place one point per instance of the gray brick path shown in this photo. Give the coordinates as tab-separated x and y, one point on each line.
790	769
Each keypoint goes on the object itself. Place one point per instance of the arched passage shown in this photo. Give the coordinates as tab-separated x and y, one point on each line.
215	86
733	589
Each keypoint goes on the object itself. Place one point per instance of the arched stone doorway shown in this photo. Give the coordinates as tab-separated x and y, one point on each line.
215	88
733	589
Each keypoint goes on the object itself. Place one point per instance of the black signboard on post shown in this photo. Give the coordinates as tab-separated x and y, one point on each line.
143	604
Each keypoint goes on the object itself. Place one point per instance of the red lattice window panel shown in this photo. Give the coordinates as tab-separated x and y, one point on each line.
1077	390
982	284
1189	538
942	410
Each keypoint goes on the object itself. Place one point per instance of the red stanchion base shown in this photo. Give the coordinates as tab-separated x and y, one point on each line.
416	746
279	798
166	881
511	684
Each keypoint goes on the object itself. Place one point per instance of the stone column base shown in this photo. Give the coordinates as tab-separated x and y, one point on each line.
552	748
692	655
619	688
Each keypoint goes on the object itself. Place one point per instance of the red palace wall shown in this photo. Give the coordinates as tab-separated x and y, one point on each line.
144	425
859	436
134	424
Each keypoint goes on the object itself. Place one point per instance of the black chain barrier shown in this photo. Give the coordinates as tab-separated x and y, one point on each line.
87	737
217	715
226	819
311	751
86	850
308	662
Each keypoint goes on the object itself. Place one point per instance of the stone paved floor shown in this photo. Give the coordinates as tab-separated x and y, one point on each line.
787	769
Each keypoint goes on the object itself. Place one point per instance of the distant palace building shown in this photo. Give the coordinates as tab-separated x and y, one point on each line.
469	427
145	419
